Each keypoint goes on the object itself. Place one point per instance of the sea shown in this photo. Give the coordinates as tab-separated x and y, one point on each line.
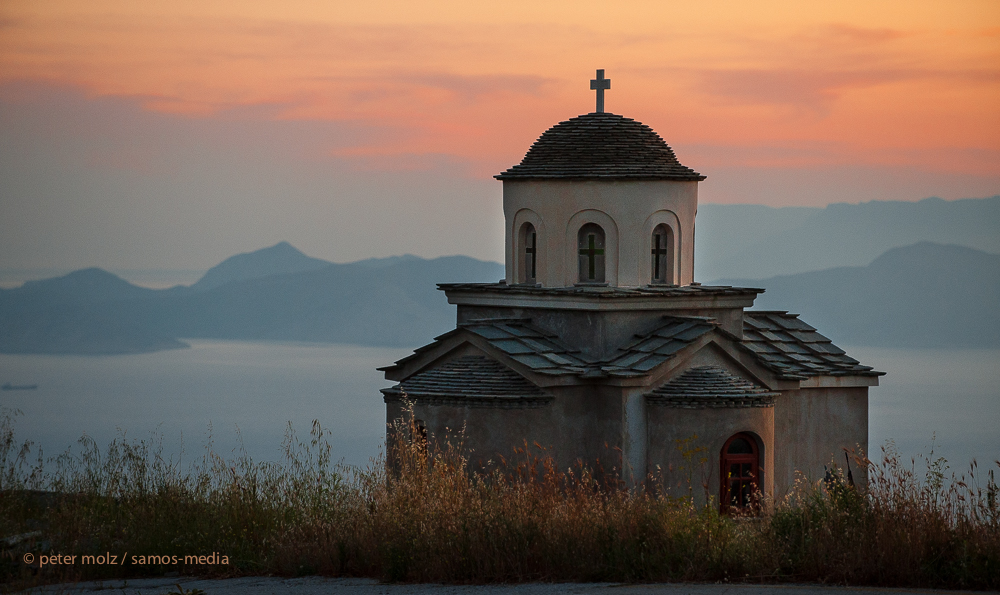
243	397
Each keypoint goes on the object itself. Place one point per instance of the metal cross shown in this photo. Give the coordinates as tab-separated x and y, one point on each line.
532	250
600	84
657	251
591	252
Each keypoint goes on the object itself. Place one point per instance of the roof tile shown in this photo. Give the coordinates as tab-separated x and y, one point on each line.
799	353
603	146
710	387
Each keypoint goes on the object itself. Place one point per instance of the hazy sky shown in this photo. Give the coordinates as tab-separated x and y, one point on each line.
174	134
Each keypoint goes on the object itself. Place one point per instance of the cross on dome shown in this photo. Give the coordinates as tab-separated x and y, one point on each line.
600	84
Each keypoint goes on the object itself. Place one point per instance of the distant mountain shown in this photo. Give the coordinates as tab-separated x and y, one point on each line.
378	263
390	301
85	285
756	242
924	295
282	258
397	304
76	313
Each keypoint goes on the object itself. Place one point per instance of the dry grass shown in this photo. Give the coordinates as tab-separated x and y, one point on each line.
427	517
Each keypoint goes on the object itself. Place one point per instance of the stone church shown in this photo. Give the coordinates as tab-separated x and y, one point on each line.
600	346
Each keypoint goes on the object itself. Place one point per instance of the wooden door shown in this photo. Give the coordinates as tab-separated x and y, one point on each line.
740	466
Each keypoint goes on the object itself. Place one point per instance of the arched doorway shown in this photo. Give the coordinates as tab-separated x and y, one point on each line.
740	466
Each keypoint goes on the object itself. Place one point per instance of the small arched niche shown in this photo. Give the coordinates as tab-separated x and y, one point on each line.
591	251
661	256
527	254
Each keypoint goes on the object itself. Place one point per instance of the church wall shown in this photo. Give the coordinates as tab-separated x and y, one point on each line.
632	206
707	430
813	426
579	425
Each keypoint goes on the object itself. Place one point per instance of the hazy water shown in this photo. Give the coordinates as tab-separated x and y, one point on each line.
259	387
950	396
256	387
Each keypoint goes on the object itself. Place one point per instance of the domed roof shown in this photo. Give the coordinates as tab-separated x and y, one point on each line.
603	146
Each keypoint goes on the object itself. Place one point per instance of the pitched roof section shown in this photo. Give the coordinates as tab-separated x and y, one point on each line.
539	350
652	349
600	145
707	387
794	350
471	380
780	341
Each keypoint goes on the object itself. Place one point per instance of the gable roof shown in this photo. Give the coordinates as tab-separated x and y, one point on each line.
657	346
470	380
710	387
539	350
779	341
794	350
600	145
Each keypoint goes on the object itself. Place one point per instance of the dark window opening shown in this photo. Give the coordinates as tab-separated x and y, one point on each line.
591	253
529	241
661	256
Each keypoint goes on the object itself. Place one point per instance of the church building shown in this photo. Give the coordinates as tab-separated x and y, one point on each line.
600	347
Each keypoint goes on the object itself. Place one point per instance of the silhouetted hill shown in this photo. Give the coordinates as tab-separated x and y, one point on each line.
921	295
89	285
756	242
399	305
390	301
924	295
77	313
282	258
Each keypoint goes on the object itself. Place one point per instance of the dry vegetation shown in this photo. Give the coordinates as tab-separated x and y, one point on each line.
426	517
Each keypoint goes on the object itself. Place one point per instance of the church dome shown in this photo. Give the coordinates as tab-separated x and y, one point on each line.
603	146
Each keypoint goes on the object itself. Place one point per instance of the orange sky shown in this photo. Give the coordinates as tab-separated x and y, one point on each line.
761	84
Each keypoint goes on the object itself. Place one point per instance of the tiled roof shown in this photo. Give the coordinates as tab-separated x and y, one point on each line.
780	341
706	387
600	145
794	350
605	292
539	350
652	349
471	380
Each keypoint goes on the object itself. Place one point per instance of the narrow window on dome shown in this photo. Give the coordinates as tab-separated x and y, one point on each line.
528	249
662	256
591	253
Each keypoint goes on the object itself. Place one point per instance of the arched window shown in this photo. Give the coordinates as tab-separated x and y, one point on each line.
528	253
740	466
591	251
662	256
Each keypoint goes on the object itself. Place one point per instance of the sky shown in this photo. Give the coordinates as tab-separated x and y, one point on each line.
171	135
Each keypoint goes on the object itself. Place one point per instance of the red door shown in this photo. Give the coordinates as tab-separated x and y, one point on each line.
740	468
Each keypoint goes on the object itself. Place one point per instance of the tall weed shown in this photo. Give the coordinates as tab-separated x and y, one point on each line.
422	513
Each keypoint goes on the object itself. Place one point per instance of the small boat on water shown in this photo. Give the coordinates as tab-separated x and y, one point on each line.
10	386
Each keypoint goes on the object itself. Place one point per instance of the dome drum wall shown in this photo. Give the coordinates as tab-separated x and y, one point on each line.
628	211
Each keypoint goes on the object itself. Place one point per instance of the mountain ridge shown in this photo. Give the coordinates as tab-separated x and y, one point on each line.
919	296
758	242
391	302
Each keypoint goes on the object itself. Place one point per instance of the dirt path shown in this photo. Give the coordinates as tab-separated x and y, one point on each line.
319	585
